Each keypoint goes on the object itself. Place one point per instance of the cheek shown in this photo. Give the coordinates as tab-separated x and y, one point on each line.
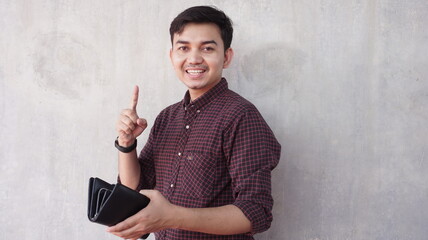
215	63
177	61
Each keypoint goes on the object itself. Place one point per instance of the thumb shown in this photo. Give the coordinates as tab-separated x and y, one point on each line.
142	123
141	126
148	193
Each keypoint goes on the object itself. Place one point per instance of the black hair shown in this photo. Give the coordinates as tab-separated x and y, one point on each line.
204	14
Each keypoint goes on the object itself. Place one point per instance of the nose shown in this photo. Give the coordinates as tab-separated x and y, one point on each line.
195	57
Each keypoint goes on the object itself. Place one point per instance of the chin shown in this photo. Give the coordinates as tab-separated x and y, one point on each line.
194	84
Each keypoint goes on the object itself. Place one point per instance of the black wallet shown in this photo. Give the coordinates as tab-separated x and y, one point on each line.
109	204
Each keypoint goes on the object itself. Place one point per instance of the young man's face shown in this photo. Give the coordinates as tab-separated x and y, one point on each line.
198	57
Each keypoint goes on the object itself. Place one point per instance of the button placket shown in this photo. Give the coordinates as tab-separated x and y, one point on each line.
170	186
189	116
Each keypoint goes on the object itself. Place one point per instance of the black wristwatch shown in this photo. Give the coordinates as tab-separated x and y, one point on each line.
125	149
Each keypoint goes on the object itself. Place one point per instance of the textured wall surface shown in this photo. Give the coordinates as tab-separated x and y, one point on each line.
343	84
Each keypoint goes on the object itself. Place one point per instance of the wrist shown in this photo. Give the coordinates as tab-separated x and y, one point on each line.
177	217
125	142
127	147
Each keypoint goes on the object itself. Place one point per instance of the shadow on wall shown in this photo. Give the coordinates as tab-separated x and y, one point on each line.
270	70
2	92
271	77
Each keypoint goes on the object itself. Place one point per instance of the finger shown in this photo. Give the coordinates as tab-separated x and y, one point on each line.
122	127
142	122
130	233
130	114
127	229
118	228
123	136
134	99
128	121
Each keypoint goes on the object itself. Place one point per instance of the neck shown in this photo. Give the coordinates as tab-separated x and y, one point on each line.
198	92
195	93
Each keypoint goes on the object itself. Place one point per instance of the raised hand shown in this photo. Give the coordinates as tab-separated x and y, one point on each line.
129	126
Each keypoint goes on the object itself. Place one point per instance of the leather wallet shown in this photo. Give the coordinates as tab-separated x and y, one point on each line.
109	204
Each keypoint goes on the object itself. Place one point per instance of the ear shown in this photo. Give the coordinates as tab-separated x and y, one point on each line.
170	56
228	55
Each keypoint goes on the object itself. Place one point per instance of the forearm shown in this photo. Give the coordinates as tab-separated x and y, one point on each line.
224	220
129	169
129	126
160	214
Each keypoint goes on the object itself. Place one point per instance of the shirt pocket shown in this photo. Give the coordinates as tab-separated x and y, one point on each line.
199	175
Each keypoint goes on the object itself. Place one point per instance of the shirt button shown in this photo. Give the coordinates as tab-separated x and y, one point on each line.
198	111
187	126
179	154
172	185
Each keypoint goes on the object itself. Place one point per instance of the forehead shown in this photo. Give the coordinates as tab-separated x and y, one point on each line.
199	32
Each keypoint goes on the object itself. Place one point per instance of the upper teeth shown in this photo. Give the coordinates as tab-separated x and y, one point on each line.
195	71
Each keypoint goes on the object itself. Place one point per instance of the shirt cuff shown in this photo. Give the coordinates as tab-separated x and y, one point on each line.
259	217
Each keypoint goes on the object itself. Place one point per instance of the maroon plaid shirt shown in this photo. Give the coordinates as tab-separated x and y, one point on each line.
214	151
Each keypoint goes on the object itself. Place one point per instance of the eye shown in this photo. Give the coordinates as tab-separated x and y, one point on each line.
182	48
207	49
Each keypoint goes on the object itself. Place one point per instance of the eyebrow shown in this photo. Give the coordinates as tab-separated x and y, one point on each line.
203	43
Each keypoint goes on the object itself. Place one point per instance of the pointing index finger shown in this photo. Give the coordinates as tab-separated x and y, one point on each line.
134	99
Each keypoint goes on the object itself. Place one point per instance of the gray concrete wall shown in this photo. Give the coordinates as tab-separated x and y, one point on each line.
343	84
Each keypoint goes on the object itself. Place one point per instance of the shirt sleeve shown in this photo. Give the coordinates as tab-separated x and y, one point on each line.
252	151
146	158
147	167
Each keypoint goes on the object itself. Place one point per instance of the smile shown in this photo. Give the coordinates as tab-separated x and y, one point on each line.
195	72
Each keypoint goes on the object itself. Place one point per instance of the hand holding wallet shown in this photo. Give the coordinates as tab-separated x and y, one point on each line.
110	204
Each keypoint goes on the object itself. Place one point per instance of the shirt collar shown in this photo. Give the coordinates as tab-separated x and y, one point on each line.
207	97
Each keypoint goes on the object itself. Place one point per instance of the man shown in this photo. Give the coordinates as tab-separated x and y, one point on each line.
209	157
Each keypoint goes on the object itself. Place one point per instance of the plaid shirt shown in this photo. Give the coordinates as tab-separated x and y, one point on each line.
214	151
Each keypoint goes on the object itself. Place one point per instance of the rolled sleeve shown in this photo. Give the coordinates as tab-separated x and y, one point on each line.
255	201
254	153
